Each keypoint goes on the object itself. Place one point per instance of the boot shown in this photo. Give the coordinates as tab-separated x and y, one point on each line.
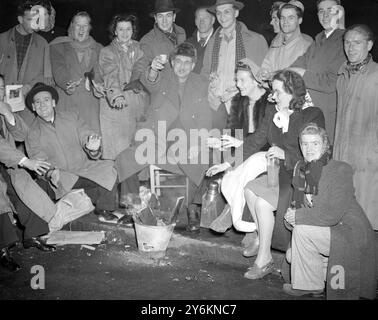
194	213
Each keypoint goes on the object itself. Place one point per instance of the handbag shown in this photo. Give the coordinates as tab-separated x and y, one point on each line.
72	206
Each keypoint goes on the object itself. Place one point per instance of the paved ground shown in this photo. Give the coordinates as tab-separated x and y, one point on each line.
116	272
197	266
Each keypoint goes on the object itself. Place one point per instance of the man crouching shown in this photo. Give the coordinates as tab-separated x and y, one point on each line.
179	103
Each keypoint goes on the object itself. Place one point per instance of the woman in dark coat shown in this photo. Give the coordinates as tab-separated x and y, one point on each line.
280	128
333	241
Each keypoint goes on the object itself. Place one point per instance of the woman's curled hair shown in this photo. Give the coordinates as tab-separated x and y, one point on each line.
123	18
293	84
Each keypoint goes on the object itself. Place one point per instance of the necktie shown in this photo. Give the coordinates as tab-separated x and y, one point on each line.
202	42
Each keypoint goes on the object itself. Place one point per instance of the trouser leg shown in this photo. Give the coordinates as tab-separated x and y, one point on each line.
45	186
8	234
130	185
193	189
102	198
107	200
33	225
310	248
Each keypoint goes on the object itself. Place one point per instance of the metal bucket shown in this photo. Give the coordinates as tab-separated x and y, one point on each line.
153	238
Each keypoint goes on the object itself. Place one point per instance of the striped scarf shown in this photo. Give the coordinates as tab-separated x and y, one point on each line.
239	47
306	178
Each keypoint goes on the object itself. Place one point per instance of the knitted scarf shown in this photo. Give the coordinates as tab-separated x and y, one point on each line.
306	178
354	68
84	50
239	47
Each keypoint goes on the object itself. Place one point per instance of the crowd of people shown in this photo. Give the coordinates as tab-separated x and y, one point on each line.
308	105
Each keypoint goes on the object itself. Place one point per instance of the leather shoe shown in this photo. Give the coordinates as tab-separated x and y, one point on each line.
193	213
7	262
255	272
126	220
288	288
106	214
39	244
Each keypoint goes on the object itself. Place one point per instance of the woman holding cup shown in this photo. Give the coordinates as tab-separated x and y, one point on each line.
280	129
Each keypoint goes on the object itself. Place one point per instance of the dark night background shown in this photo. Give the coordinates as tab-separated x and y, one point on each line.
255	15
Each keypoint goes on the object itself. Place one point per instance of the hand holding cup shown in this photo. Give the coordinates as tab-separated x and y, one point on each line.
158	62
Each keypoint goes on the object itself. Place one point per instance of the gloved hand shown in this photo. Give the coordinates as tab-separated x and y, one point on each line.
136	86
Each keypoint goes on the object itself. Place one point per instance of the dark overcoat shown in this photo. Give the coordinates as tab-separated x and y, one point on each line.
191	112
352	237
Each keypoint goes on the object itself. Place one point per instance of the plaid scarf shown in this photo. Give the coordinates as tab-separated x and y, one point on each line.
172	36
306	178
240	50
354	68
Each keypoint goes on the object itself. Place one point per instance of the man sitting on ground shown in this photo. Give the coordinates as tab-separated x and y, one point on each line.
73	149
21	199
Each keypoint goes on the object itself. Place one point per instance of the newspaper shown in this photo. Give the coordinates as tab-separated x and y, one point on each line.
62	237
14	97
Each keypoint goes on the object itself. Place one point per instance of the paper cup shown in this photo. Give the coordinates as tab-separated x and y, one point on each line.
163	58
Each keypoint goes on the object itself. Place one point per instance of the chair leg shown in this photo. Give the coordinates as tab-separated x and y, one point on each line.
152	179
157	181
187	192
